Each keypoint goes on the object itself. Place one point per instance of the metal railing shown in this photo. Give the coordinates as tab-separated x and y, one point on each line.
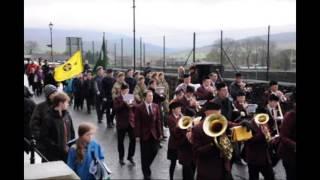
32	144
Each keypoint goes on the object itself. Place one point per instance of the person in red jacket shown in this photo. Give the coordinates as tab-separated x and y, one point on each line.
287	146
148	129
125	124
173	118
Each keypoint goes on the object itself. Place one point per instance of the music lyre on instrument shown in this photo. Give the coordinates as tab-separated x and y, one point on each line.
160	89
128	98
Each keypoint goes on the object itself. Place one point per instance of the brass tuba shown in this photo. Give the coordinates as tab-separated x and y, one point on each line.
215	126
261	120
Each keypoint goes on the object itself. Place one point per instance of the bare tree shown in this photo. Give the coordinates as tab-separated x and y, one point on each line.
30	46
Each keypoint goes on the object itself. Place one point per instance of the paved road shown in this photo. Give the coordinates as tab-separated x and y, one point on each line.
160	167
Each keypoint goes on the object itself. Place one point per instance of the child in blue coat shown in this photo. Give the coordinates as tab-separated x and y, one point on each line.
80	156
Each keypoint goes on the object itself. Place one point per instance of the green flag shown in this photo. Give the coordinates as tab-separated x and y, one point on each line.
103	59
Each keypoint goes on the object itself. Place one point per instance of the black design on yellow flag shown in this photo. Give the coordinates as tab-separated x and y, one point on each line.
69	69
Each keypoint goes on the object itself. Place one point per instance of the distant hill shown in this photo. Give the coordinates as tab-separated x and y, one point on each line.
285	40
42	36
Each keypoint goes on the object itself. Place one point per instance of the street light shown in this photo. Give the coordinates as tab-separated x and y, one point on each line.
50	26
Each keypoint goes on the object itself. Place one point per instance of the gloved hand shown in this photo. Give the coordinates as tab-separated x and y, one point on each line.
247	124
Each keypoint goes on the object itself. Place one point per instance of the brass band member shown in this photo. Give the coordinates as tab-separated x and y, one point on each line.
241	105
186	82
178	95
139	90
222	98
172	153
188	102
287	146
148	129
274	89
214	79
237	86
272	110
125	124
209	162
205	91
256	153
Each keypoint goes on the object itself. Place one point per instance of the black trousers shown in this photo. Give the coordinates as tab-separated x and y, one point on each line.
188	171
109	114
89	100
290	168
99	107
266	171
132	142
149	150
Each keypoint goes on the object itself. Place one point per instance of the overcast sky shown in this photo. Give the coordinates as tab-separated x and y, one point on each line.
157	17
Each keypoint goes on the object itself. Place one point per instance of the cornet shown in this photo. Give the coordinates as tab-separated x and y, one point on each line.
215	126
186	122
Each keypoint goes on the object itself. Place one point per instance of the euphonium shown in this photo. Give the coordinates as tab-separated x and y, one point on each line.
261	120
215	126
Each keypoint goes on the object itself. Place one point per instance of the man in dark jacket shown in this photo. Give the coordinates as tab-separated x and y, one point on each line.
223	99
107	84
57	129
41	110
88	91
130	81
45	68
86	66
236	86
125	124
98	93
29	106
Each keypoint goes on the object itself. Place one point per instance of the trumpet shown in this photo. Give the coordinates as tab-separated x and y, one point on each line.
215	126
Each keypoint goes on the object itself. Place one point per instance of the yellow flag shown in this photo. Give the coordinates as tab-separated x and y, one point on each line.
70	68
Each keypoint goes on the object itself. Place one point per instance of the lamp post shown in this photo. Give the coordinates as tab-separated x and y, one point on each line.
50	26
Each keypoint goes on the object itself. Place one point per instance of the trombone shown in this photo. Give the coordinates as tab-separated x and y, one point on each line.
261	120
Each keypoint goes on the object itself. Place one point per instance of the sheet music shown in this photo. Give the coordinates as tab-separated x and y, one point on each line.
160	89
202	102
251	108
128	98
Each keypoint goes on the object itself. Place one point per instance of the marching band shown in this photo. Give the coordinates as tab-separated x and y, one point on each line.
211	127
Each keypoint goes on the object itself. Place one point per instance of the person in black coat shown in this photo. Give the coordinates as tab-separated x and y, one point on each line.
77	86
223	99
107	84
86	66
88	91
130	81
49	79
29	106
40	111
57	129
